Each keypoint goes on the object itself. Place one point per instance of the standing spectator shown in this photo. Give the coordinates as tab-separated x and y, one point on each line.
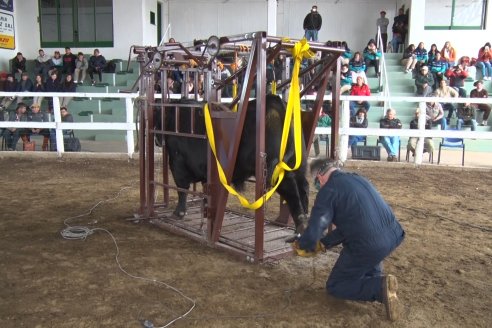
457	76
391	143
42	64
412	141
12	135
18	65
409	59
448	53
357	67
371	56
9	86
81	66
435	113
431	56
445	91
437	67
483	61
382	23
422	58
480	92
68	62
37	116
312	24
359	89
67	86
466	114
24	85
38	87
359	120
399	29
97	62
56	64
424	82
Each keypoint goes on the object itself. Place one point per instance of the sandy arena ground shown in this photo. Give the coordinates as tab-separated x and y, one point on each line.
444	266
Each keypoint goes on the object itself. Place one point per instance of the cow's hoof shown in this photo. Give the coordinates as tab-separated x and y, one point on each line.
179	214
302	221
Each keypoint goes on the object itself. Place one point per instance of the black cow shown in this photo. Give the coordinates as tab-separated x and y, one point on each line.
188	156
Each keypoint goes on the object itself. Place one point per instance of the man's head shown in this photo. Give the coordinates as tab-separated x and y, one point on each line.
322	168
24	76
443	83
424	70
314	8
63	111
41	52
68	51
19	55
21	108
390	113
382	13
96	52
478	85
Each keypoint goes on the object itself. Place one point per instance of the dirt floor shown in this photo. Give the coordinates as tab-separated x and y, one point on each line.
444	267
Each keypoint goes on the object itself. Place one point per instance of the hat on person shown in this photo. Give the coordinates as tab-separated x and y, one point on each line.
314	7
477	82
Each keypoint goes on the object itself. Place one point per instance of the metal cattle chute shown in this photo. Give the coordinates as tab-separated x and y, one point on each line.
208	219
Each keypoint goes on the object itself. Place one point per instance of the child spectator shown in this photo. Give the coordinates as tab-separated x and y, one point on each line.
357	67
371	56
347	55
359	120
422	58
18	65
56	63
359	89
390	143
42	64
24	85
97	62
432	53
345	79
67	86
483	61
81	66
37	116
52	85
38	87
68	62
457	76
445	91
409	59
424	82
437	67
448	53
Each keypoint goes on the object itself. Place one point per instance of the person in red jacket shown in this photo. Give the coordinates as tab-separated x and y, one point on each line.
359	89
457	76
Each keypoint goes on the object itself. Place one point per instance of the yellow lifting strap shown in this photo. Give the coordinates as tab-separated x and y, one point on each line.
234	94
274	87
299	52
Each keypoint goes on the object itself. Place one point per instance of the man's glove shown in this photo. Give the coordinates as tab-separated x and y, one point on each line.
301	252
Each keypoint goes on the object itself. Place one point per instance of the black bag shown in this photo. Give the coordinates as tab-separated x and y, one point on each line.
110	67
72	144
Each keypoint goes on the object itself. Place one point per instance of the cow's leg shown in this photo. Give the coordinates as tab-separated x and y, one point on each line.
289	191
303	189
181	179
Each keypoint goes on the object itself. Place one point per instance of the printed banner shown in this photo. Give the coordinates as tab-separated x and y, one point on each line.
7	5
7	33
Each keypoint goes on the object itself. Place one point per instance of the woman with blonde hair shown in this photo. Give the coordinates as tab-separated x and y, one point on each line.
449	53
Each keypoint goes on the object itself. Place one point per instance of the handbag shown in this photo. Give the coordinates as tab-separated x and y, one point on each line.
29	146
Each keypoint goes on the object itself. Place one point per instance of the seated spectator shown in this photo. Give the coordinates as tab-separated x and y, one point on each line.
371	56
65	117
480	92
68	62
18	65
173	87
445	91
390	143
67	86
9	86
359	89
38	87
484	61
81	66
457	76
12	135
437	67
431	55
435	113
422	57
42	64
345	79
409	59
357	67
324	121
24	85
37	116
97	63
52	85
357	121
56	64
424	82
466	115
448	53
347	55
412	141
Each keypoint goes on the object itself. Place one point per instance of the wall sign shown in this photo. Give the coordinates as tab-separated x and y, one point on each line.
7	33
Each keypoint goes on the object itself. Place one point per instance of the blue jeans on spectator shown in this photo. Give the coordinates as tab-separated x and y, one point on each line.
461	122
311	35
395	43
353	140
442	122
485	67
450	107
391	144
354	104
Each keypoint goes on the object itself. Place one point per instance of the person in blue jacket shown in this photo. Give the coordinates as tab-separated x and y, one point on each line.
365	226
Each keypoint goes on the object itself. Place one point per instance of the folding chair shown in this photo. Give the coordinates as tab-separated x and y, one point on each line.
452	143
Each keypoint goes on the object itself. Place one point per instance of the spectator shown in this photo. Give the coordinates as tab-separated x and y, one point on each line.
466	115
97	62
324	121
68	62
65	117
9	86
67	86
357	67
359	120
52	85
24	85
435	113
422	58
371	56
42	64
382	23
409	59
399	30
38	87
432	53
37	116
345	79
445	91
424	82
12	135
347	55
18	65
448	53
412	141
437	67
359	89
56	64
367	229
390	143
457	76
483	61
312	24
480	92
81	66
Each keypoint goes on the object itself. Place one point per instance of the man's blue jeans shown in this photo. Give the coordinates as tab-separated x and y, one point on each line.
311	35
391	144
